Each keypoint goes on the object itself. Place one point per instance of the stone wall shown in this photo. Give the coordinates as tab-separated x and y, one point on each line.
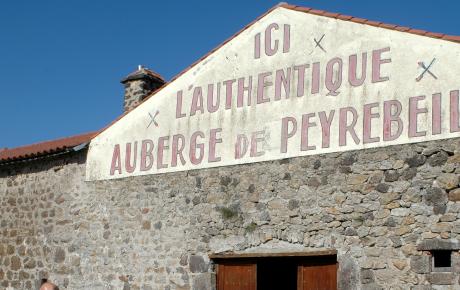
380	208
135	92
32	218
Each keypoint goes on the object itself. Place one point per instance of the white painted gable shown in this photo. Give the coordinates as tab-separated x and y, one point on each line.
309	95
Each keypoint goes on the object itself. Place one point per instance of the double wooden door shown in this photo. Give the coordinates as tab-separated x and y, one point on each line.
276	274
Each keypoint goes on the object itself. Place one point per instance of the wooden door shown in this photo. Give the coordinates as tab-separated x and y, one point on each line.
317	276
237	276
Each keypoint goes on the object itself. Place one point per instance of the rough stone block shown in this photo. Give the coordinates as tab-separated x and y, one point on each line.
447	180
348	275
455	262
382	187
441	278
367	276
401	212
454	195
416	160
420	264
391	175
438	159
204	282
437	198
421	287
59	255
15	263
372	286
351	232
197	264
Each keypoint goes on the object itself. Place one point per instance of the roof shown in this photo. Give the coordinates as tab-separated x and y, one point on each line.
142	73
63	145
323	13
44	148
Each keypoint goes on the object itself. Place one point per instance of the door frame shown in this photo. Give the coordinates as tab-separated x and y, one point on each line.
304	258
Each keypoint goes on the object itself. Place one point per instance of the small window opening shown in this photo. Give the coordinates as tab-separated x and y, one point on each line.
441	259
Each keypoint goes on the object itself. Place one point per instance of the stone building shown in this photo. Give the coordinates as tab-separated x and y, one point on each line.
312	150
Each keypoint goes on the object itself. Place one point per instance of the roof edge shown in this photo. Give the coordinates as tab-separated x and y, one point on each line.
447	37
281	4
46	148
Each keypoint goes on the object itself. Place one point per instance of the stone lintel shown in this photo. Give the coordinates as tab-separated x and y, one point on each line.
435	244
233	255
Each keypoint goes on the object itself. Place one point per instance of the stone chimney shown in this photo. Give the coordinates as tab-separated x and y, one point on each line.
138	85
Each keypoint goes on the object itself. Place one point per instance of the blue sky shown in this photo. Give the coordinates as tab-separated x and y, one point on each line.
61	61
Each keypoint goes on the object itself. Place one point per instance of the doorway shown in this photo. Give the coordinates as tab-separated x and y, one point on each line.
276	272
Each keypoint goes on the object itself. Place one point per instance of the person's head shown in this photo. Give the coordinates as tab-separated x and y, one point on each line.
46	285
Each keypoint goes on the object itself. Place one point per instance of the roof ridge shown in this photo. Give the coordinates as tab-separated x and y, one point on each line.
443	36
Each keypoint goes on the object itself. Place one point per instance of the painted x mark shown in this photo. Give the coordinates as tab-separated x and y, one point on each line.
426	69
318	43
152	119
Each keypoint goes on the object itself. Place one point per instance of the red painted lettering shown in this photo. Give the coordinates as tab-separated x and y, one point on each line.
377	61
177	149
304	132
301	78
367	123
242	89
197	101
344	127
130	168
389	117
241	146
454	123
116	160
213	140
352	70
194	146
179	113
282	80
257	46
334	83
256	138
326	127
414	110
436	114
287	38
213	106
228	93
285	133
269	50
162	146
146	152
261	85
